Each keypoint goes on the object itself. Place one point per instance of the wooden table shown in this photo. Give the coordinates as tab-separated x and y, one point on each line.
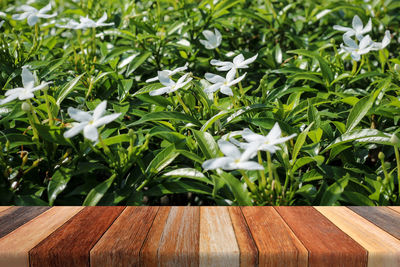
199	236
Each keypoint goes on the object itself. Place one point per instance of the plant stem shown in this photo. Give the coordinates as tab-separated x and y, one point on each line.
185	108
49	113
262	172
396	152
249	183
269	167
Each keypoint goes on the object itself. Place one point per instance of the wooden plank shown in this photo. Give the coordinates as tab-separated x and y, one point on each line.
3	208
148	253
218	246
326	243
121	244
179	243
14	217
70	244
383	249
277	244
385	218
395	208
247	247
14	248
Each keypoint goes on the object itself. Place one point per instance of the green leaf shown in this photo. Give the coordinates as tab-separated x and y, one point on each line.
29	200
334	191
97	193
162	159
299	142
241	195
138	61
57	184
188	173
326	70
166	115
52	134
207	144
67	88
178	187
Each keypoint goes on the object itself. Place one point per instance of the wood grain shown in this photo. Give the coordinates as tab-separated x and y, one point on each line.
395	208
218	246
14	217
277	245
247	247
383	249
3	208
70	244
148	253
179	244
385	218
121	244
326	243
14	248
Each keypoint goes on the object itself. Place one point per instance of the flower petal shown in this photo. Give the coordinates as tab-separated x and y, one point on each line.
28	80
160	91
90	132
226	90
8	99
32	19
45	9
164	78
216	163
251	137
344	29
366	41
79	115
213	88
367	27
349	42
14	91
214	78
238	59
249	165
75	130
106	119
229	149
249	61
274	134
357	23
99	110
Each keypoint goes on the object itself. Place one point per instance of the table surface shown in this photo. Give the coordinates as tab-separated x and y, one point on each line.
199	236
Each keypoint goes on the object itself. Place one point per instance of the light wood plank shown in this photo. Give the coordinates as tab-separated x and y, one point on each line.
395	208
218	246
121	244
2	208
179	244
383	249
277	244
14	248
247	246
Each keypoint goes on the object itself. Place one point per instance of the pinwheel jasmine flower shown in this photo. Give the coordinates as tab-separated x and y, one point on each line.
170	73
221	83
358	29
89	123
25	92
266	143
356	50
32	14
86	23
169	85
385	42
238	63
213	39
233	159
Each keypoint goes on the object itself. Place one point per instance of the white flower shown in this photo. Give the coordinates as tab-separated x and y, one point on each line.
170	73
32	14
238	63
169	85
85	23
89	123
233	159
266	143
213	39
25	92
385	42
358	30
224	84
1	23
356	50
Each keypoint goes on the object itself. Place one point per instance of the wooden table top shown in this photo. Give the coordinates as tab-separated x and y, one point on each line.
199	236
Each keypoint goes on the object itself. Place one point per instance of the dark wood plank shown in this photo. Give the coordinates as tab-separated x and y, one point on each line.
326	243
70	244
121	244
277	245
383	217
14	217
148	253
247	247
179	242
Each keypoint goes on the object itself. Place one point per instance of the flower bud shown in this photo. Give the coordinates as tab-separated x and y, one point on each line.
26	107
394	139
397	67
381	155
